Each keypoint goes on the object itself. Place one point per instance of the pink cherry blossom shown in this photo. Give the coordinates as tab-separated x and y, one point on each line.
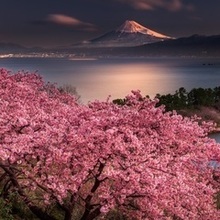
92	159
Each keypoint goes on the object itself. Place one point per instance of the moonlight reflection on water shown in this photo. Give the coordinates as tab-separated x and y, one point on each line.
97	79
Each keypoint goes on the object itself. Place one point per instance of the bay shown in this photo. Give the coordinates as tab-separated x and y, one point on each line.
97	79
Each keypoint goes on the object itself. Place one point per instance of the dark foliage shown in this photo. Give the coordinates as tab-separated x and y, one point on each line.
194	99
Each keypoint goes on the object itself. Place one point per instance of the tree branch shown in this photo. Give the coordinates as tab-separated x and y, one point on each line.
34	209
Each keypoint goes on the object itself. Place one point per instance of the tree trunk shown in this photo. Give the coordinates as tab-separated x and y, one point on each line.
88	213
68	215
39	213
34	209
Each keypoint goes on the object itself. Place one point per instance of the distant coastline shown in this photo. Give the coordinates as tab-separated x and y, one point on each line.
203	102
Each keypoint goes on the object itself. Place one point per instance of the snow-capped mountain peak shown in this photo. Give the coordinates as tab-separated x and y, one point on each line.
133	27
129	34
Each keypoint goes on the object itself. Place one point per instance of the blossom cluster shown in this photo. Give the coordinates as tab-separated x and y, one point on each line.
135	157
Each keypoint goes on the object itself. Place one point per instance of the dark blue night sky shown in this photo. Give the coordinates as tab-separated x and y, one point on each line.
62	22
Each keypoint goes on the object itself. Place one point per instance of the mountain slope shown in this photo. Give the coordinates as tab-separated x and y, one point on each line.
11	47
194	45
130	33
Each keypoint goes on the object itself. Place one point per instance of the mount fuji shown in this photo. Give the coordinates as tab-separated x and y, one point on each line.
129	34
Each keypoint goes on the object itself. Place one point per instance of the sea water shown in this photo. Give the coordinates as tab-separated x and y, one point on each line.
98	79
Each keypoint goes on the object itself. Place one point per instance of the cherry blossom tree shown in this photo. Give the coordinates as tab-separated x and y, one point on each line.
93	160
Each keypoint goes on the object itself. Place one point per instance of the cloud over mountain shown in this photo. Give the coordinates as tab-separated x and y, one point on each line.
171	5
62	19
